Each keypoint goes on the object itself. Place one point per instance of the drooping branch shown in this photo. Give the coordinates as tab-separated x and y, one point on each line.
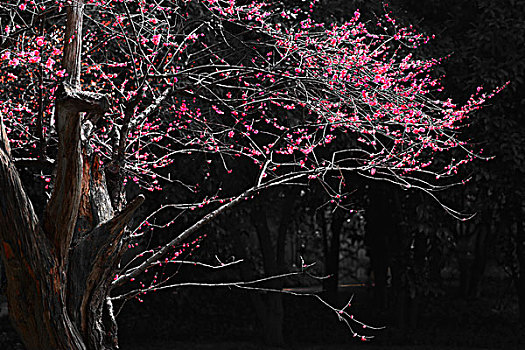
135	271
181	237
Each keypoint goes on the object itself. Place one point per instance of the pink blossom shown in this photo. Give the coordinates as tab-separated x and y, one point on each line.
40	41
34	59
14	62
120	20
156	39
22	6
49	63
217	110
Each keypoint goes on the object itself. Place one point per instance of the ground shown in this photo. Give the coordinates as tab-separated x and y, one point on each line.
221	319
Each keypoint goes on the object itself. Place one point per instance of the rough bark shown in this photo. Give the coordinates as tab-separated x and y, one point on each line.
59	269
54	306
35	279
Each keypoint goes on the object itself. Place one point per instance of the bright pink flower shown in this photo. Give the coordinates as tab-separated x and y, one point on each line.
22	6
50	62
14	62
34	59
156	39
40	41
120	20
217	110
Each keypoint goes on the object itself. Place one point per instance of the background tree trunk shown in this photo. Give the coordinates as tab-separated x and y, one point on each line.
332	243
269	306
520	251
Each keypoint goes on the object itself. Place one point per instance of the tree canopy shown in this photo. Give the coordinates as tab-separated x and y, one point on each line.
111	93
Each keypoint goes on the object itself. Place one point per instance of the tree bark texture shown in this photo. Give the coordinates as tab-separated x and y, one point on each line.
59	268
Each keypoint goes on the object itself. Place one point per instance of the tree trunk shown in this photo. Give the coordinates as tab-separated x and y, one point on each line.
59	269
379	225
331	254
520	250
472	261
269	306
35	279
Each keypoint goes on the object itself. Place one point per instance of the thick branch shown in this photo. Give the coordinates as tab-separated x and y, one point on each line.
184	235
18	220
29	263
62	208
73	41
4	141
82	101
133	272
92	263
119	222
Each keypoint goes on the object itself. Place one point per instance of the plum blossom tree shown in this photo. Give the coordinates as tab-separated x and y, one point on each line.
114	94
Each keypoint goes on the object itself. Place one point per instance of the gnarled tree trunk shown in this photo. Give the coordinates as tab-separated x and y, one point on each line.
59	268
